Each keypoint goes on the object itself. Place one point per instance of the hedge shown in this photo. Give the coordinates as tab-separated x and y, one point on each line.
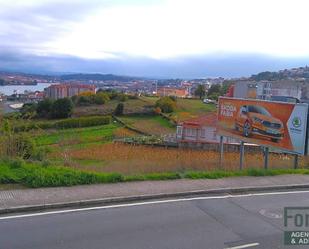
65	124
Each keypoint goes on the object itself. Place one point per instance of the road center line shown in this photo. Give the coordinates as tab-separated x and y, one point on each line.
149	203
243	246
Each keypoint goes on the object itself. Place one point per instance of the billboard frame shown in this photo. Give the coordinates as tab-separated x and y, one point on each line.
266	148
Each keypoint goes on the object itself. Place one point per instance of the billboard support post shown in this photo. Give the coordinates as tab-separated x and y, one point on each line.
221	151
242	153
266	153
295	161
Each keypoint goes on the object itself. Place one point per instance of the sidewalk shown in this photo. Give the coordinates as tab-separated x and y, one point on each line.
37	199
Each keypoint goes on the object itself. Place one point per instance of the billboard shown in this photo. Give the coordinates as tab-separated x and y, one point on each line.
278	125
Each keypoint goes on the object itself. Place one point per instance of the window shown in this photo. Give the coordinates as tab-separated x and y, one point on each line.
179	130
203	132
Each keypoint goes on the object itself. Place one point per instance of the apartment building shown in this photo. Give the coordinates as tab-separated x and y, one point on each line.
59	91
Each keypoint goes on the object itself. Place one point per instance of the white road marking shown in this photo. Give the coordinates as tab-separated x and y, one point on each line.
243	246
149	203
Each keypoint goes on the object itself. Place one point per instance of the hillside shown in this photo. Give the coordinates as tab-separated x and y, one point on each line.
294	73
97	77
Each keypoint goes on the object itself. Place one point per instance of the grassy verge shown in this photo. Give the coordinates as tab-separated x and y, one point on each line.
248	172
40	175
34	176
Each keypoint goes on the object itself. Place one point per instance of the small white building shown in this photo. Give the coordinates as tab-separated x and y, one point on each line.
199	131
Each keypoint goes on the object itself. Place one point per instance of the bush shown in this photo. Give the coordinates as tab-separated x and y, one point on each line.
28	110
166	104
19	145
16	163
84	100
44	108
119	109
122	97
62	108
82	122
101	98
157	110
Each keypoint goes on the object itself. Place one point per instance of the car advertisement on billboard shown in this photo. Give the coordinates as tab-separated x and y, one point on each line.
272	124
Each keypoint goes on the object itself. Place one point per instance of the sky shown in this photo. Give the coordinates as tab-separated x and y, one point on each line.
163	38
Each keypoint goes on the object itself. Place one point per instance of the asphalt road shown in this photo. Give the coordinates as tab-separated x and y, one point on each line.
198	223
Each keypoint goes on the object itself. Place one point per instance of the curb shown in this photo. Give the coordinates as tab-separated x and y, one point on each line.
128	199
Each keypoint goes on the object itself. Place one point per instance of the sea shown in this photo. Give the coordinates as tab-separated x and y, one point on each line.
9	90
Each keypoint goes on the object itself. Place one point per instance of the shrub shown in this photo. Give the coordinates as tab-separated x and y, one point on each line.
17	145
157	110
16	163
166	104
28	110
122	97
62	108
84	100
119	109
101	98
44	108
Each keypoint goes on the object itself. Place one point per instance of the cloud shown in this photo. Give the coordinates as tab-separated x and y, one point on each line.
29	25
169	38
207	65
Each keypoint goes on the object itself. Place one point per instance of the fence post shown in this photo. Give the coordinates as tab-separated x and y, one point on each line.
221	152
266	152
242	153
295	161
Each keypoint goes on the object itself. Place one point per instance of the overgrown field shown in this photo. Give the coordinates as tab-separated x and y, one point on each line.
140	105
138	159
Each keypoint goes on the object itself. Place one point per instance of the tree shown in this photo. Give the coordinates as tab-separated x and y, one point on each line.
119	109
200	91
44	108
100	98
62	108
226	84
166	104
214	89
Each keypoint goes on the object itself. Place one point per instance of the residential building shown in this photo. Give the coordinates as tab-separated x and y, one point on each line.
59	91
252	90
199	131
169	91
287	88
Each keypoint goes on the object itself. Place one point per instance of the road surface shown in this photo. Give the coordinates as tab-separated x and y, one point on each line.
248	221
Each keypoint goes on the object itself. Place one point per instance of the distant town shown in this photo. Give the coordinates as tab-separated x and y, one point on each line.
285	85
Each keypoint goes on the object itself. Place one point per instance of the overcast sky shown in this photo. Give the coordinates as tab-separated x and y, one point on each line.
154	38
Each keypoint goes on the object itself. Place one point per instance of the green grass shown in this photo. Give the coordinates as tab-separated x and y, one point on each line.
216	174
153	177
76	135
191	108
150	124
36	175
194	106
